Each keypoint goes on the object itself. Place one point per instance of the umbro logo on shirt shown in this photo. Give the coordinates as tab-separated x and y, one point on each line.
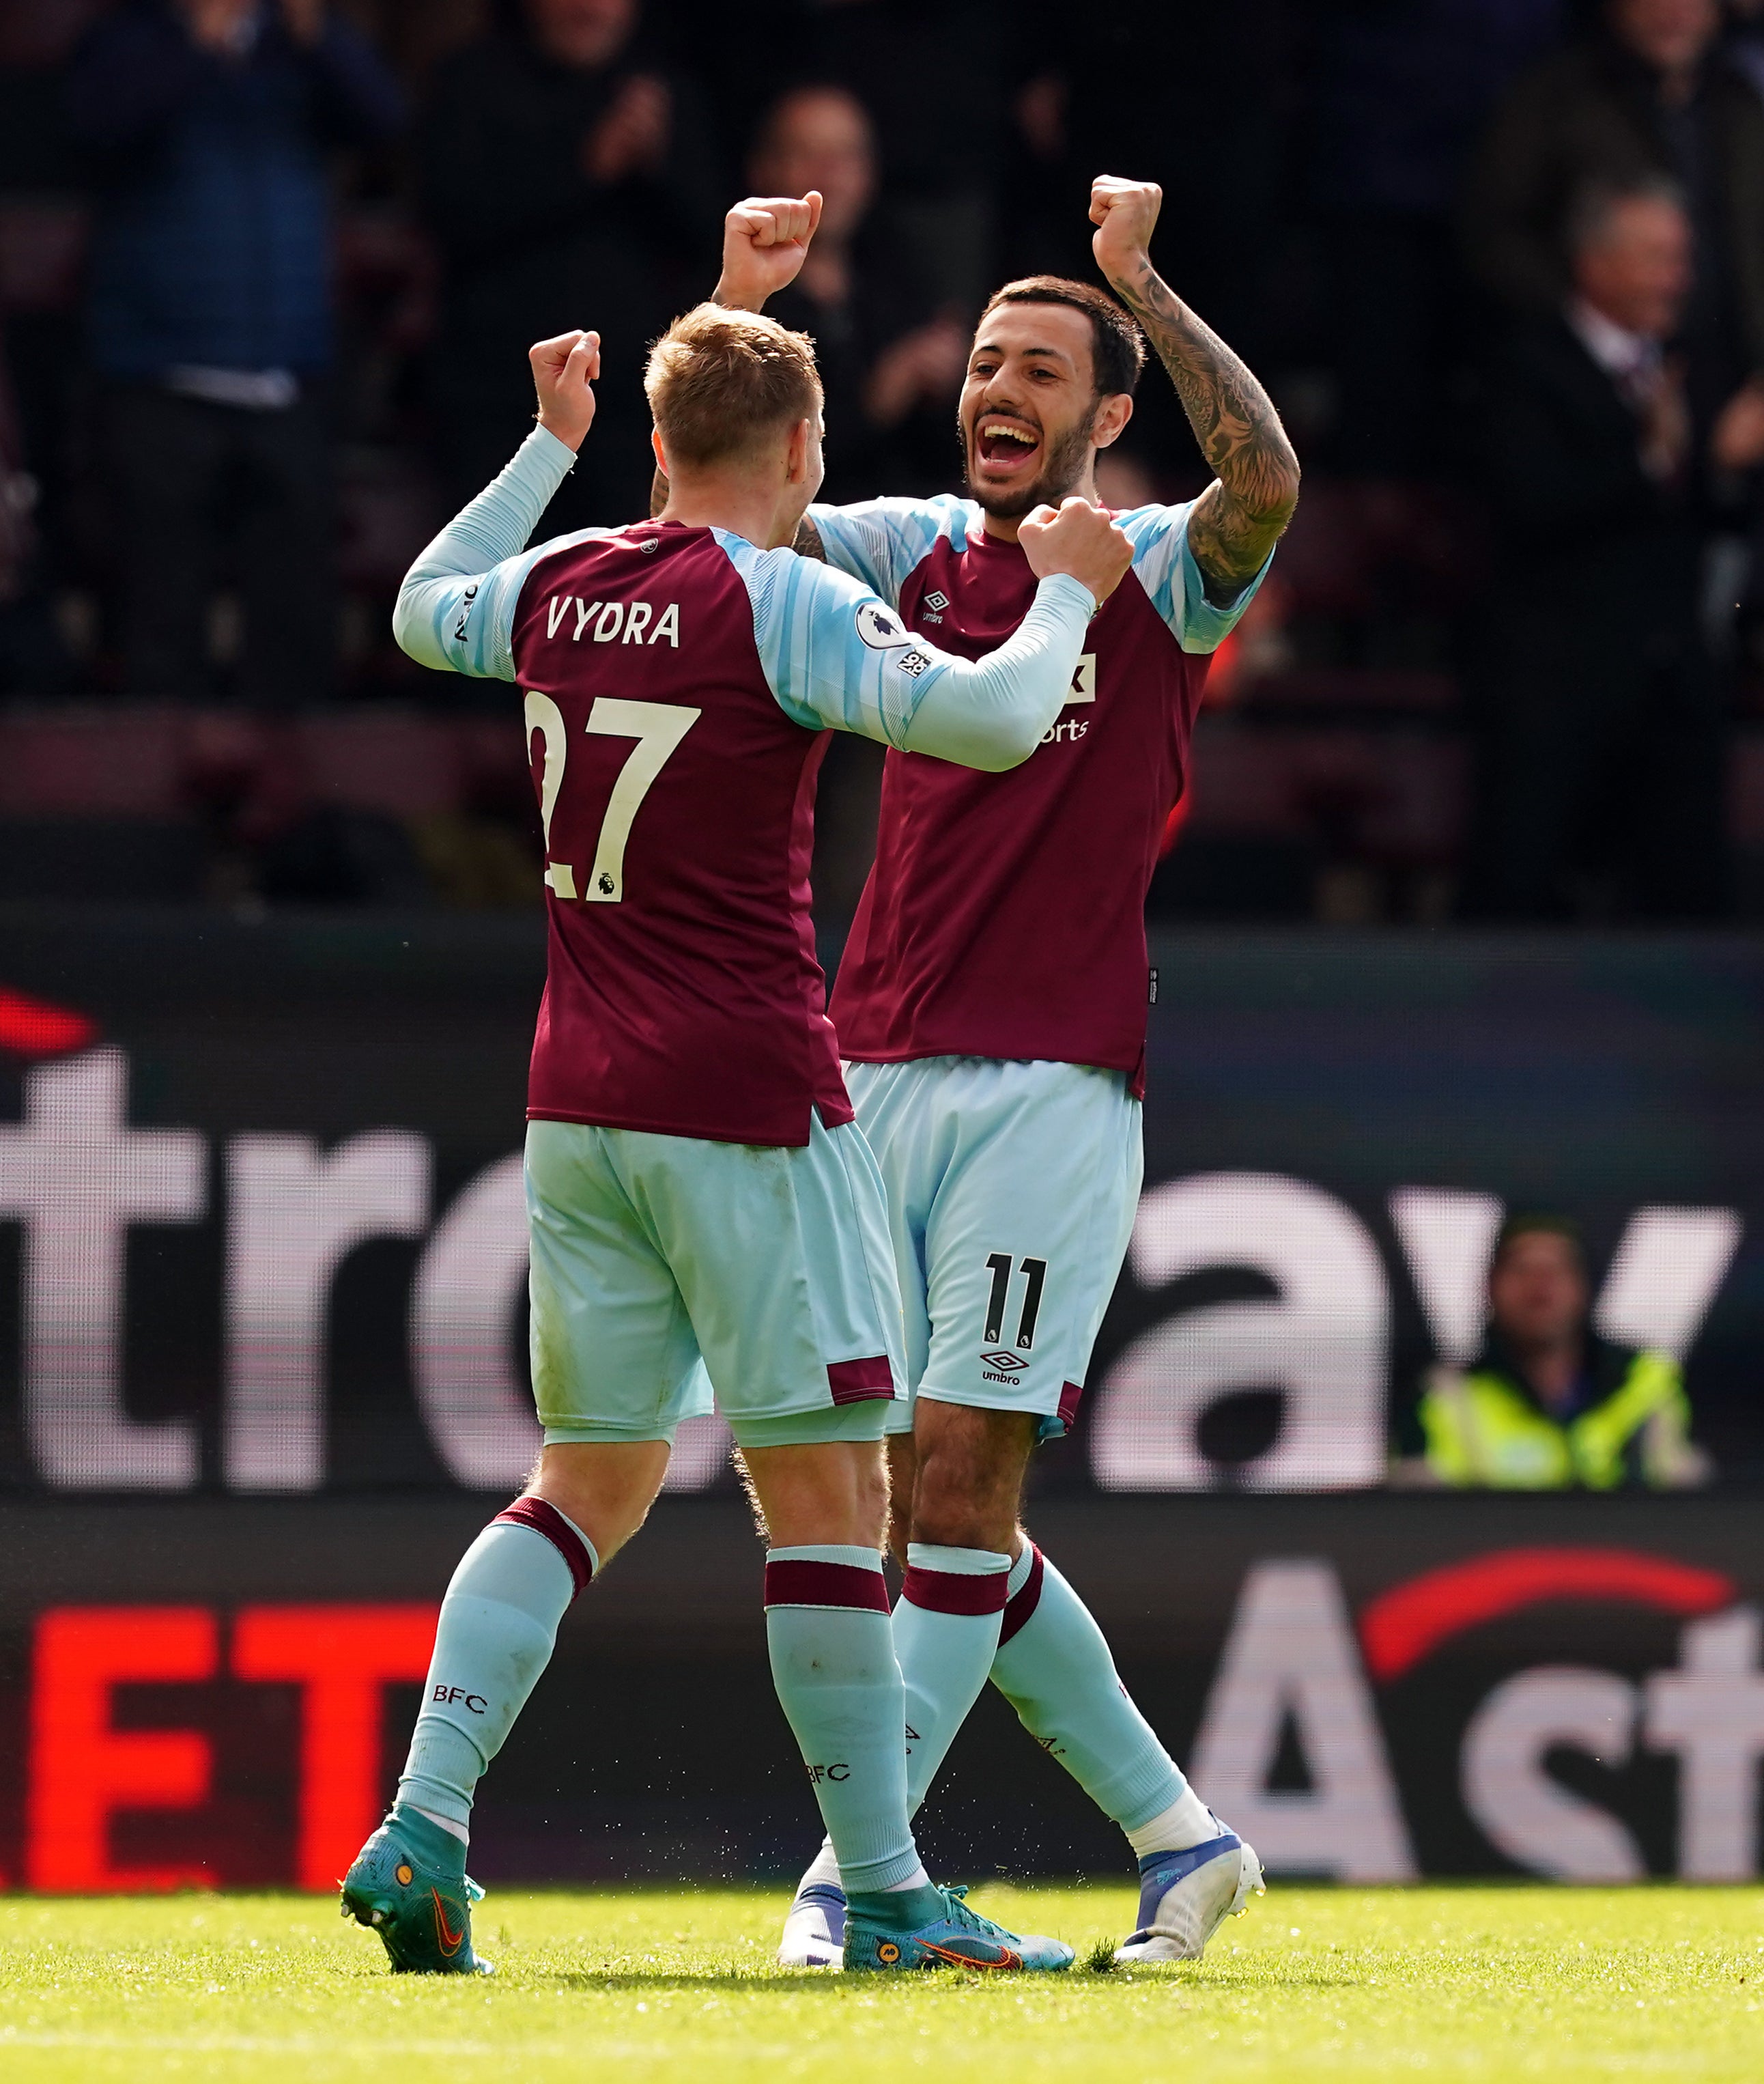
1001	1367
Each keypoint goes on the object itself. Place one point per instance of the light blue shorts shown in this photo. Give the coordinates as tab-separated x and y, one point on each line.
1012	1190
665	1270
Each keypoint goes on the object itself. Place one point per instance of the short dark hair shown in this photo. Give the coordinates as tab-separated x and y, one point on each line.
1117	345
1591	212
1537	1222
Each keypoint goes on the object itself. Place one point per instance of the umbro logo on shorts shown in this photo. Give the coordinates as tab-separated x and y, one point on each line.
1004	1360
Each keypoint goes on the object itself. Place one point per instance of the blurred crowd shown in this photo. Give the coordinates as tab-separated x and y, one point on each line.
268	269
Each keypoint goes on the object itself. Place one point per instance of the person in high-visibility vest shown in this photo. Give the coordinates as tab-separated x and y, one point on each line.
1548	1405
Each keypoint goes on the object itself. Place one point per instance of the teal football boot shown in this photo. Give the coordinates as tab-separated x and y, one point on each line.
958	1938
406	1886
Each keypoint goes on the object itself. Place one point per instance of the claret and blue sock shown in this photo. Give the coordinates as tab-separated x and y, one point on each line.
946	1627
1054	1668
834	1663
945	1631
498	1625
838	1681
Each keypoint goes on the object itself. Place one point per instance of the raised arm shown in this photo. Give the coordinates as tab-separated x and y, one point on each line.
1239	519
455	608
765	239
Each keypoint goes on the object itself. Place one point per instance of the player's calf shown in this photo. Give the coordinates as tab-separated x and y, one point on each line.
497	1624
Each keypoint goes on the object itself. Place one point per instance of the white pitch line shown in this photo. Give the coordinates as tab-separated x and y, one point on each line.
206	2043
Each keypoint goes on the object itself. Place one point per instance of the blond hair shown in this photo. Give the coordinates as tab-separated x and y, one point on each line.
719	381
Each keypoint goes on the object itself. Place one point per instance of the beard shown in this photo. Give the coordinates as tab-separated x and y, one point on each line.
1058	478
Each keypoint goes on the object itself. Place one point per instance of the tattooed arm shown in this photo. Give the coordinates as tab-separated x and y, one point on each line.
808	542
1239	517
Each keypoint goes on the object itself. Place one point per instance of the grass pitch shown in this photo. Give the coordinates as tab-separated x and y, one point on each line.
628	1984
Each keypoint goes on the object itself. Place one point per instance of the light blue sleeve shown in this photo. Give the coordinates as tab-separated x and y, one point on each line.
1165	567
835	655
880	540
455	609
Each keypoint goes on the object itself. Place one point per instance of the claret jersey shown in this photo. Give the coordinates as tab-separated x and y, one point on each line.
682	993
1004	916
678	685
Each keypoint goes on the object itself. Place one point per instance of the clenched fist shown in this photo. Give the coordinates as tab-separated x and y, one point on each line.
765	239
1125	214
564	372
1080	540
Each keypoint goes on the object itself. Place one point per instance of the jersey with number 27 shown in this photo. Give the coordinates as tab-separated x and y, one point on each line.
1004	916
679	685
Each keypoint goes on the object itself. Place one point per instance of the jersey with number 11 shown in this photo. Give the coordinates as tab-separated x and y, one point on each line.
683	994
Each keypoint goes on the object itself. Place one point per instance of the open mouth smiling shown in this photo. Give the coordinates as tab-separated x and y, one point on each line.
1003	443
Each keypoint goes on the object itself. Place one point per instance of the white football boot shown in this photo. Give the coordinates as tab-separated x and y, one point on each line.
1185	1897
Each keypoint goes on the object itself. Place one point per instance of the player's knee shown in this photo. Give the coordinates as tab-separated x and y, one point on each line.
833	1491
958	1520
964	1497
969	1462
605	1489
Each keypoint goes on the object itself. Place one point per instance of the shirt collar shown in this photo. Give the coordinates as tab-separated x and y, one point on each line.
1617	350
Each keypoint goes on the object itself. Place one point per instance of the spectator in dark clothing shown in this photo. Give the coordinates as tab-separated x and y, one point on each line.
568	179
889	366
1603	734
1651	93
210	319
935	76
1401	88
